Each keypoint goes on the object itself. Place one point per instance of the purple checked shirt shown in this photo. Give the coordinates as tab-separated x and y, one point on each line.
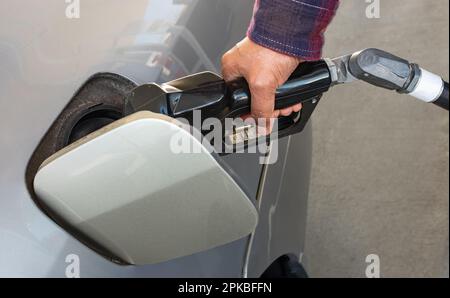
293	27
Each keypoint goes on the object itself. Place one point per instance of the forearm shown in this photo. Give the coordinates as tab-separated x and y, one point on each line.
293	27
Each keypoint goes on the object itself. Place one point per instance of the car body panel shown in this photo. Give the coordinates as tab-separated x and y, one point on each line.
45	57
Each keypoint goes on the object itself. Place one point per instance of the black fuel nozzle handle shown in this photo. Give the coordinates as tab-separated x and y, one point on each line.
309	80
388	71
305	85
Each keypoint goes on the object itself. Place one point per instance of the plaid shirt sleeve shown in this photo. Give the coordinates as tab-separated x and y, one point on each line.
293	27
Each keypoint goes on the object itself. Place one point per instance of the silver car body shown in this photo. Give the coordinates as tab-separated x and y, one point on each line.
46	54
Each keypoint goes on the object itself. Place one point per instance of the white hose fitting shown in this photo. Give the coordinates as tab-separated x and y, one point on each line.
429	87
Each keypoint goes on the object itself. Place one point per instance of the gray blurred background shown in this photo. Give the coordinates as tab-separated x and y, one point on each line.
381	161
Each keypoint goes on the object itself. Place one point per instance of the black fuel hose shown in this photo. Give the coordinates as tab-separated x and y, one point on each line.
442	101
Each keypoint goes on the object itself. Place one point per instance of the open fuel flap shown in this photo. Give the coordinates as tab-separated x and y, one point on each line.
117	185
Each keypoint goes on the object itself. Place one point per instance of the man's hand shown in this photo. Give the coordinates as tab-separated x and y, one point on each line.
264	70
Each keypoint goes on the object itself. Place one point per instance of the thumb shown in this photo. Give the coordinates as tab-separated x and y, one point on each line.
231	72
230	65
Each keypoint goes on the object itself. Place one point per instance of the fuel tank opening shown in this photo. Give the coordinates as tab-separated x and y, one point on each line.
97	103
92	120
